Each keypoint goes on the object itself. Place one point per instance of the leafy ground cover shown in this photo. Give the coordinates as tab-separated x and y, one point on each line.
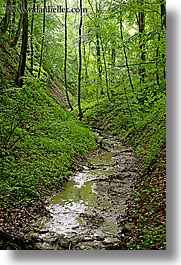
41	146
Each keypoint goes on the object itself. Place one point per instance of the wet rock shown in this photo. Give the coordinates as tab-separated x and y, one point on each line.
111	241
63	243
127	228
34	236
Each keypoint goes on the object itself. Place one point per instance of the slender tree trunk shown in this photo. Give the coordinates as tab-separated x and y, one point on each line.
13	21
163	25
85	62
163	13
124	50
98	48
141	26
105	69
112	62
127	65
85	58
163	22
65	59
157	58
5	21
113	56
31	39
99	66
17	35
80	65
43	38
22	61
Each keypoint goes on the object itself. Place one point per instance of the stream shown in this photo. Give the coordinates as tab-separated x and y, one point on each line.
88	212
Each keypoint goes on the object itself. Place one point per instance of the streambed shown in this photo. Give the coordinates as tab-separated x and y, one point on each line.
87	213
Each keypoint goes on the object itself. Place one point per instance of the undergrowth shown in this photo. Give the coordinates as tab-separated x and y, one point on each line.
41	144
144	127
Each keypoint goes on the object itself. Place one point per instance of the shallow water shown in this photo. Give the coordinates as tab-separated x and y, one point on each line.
87	213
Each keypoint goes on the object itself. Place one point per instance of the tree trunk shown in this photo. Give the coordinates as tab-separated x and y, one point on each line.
31	39
5	21
99	66
17	35
13	21
105	69
85	58
127	65
141	26
124	49
163	22
43	38
163	13
113	57
163	25
80	64
65	59
22	61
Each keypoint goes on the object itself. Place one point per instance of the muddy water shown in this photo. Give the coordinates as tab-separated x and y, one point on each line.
87	213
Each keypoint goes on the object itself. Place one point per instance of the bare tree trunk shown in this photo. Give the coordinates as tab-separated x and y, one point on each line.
99	66
17	35
65	59
124	50
163	22
129	75
31	38
141	26
5	21
85	58
98	48
163	25
22	61
163	13
80	64
13	21
43	38
157	58
85	62
105	69
113	56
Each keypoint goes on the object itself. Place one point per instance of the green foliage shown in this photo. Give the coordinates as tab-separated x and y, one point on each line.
41	143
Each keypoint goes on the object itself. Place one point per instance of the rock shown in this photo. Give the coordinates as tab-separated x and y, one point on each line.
85	168
63	243
32	235
127	228
111	240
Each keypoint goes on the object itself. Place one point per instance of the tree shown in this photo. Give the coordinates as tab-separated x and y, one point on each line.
124	49
6	19
31	38
80	64
65	58
43	38
24	44
141	26
18	32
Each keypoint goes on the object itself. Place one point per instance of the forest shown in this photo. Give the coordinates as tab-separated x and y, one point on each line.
72	71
